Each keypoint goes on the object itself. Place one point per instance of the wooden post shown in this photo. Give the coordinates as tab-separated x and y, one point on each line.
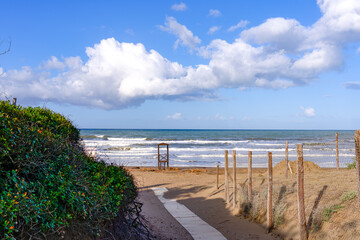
234	178
167	155
357	159
14	102
300	192
217	177
226	177
290	168
159	157
269	197
337	150
286	158
250	176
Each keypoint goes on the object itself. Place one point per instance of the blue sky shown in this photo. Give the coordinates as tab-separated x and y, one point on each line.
186	64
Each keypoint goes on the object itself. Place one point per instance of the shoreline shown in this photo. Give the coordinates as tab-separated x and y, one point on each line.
206	148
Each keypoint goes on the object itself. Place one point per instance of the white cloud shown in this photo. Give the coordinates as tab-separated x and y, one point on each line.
179	6
176	116
287	34
223	118
308	112
242	65
118	75
240	24
219	117
54	63
185	36
213	29
214	13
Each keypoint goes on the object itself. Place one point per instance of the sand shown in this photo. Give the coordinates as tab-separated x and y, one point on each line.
195	188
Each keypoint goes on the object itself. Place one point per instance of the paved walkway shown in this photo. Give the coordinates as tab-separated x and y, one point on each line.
198	228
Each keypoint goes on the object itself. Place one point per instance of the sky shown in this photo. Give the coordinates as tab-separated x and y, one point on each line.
249	64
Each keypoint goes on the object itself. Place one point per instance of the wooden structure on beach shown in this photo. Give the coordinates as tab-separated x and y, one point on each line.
164	157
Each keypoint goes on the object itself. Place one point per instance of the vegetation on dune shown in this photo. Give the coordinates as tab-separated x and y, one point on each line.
48	185
351	165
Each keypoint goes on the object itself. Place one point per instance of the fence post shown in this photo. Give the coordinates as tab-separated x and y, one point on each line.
217	177
226	177
14	101
286	158
250	176
234	178
337	150
269	199
357	159
300	192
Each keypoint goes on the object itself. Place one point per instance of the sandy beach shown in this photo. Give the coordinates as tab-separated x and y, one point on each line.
331	211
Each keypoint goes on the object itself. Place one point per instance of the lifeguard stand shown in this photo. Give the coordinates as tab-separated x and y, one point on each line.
163	158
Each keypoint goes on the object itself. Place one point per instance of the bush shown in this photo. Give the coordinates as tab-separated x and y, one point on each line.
351	165
47	183
346	196
329	211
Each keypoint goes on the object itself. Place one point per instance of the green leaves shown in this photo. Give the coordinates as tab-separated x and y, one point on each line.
46	180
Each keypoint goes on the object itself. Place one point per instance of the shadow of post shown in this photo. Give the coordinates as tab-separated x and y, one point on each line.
281	194
316	204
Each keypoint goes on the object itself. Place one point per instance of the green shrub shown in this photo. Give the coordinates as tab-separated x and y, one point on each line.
351	165
48	183
329	211
346	196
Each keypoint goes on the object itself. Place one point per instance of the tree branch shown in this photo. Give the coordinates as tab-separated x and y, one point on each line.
8	50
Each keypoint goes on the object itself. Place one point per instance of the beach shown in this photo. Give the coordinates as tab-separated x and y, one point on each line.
331	209
196	189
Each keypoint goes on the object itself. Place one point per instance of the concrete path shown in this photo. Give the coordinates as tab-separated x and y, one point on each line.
198	228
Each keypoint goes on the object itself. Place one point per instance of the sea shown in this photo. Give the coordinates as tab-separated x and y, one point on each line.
205	148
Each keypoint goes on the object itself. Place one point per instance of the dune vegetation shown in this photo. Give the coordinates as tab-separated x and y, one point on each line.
49	187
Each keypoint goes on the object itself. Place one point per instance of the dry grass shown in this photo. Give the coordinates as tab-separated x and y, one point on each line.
329	204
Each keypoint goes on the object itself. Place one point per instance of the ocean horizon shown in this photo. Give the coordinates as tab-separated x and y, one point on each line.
205	147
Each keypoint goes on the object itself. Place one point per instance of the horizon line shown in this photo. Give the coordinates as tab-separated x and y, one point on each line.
219	129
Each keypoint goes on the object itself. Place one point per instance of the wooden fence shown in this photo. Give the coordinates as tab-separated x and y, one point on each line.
300	181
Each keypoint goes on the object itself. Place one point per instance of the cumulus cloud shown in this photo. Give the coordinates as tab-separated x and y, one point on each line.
308	112
184	35
54	63
176	116
179	6
213	29
214	13
239	64
118	74
287	34
240	24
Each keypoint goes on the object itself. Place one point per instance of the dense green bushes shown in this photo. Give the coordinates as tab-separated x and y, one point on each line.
48	185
